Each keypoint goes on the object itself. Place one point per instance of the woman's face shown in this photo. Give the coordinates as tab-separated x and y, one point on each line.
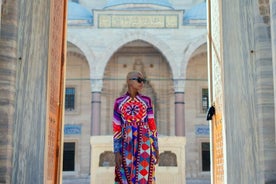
136	82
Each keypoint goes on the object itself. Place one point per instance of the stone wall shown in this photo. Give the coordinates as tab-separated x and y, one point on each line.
151	62
249	106
31	82
273	43
77	75
8	60
195	116
265	94
171	167
241	122
23	59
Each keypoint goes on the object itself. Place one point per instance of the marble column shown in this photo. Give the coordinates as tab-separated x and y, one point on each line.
179	114
273	41
8	90
96	85
179	108
95	113
0	12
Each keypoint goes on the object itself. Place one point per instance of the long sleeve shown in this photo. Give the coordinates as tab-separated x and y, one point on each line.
117	129
152	126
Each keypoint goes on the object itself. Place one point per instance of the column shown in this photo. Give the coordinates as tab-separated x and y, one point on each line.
0	12
273	41
8	94
179	114
95	113
96	85
179	107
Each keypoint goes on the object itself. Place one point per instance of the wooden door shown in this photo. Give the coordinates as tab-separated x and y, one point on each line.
217	149
55	91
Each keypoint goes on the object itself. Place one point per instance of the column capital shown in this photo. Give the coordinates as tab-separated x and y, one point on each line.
179	85
96	85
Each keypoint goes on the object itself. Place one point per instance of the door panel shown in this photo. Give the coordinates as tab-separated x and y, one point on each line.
55	91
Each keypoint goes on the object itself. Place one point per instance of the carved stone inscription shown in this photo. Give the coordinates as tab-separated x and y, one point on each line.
138	21
55	63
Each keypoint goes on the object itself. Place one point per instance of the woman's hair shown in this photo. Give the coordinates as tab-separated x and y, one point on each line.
133	74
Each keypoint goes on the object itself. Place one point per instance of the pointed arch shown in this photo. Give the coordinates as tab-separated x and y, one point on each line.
159	89
84	47
160	45
189	51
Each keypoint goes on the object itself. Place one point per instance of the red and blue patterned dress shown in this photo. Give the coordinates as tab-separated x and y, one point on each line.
135	137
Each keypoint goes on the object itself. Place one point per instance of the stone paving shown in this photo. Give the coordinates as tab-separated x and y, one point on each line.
76	181
87	181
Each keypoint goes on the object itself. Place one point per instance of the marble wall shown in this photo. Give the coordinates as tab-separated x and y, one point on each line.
273	41
248	93
31	82
23	72
8	60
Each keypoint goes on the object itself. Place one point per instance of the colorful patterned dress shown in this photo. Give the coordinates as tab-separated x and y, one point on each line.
135	137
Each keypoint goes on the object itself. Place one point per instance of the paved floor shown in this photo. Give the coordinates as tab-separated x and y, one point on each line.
76	181
87	181
197	181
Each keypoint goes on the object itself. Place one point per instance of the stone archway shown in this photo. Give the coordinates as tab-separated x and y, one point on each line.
77	115
120	41
141	56
190	51
85	49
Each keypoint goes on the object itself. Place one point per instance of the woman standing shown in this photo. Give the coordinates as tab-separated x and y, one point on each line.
135	135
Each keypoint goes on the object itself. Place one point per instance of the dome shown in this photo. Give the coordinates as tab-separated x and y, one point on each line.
78	12
164	3
196	15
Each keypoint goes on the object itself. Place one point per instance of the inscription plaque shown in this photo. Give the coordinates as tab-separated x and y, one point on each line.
137	21
202	130
72	129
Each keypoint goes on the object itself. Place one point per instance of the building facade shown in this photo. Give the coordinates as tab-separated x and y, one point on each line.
167	42
241	72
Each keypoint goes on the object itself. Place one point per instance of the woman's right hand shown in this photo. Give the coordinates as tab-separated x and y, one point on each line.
118	159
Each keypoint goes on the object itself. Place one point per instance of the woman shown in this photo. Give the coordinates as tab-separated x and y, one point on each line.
135	135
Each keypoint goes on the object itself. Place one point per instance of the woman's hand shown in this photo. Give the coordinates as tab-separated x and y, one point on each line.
157	156
118	159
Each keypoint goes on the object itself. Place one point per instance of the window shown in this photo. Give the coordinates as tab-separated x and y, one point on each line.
70	99
205	156
69	156
205	101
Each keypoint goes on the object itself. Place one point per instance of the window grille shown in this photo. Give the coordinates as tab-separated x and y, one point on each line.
70	99
205	100
69	156
205	156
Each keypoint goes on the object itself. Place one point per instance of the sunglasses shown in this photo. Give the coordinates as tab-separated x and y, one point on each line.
139	79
